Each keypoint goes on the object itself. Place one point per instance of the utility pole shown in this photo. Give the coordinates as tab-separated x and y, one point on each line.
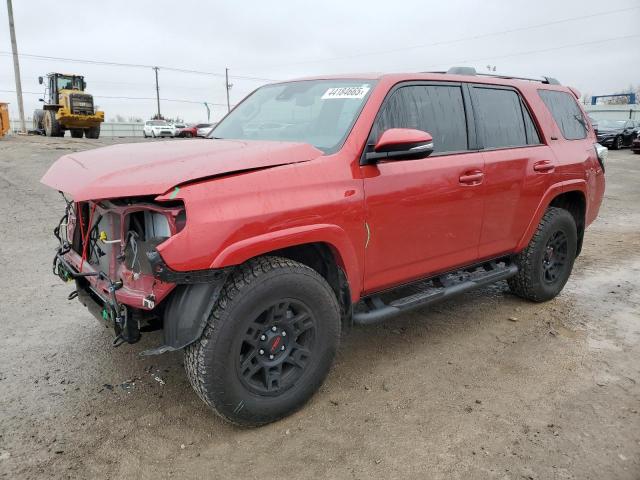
228	85
206	105
16	66
157	93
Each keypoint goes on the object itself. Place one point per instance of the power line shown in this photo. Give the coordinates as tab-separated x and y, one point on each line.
199	102
529	52
458	40
135	65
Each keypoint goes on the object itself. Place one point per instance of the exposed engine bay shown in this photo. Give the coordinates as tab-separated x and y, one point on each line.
105	248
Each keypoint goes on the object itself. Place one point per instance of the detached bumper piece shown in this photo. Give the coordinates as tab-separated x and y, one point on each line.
380	307
106	310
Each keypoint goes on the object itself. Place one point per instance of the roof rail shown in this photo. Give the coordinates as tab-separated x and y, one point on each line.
472	71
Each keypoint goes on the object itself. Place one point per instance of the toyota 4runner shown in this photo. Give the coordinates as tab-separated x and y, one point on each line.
323	202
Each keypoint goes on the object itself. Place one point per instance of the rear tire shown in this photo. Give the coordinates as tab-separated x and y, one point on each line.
38	118
76	133
52	127
93	132
545	265
268	344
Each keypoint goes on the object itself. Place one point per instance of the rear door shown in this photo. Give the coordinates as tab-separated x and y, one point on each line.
424	216
518	167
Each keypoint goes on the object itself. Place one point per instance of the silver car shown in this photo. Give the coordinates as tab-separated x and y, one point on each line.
203	129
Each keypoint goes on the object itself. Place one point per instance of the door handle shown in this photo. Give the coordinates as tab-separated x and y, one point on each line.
544	166
471	178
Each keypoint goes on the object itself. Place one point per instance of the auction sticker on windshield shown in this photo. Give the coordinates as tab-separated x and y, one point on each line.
346	92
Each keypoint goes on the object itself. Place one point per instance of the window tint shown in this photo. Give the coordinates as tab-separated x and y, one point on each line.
566	113
501	119
436	109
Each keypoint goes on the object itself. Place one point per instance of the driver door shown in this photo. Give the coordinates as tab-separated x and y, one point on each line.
423	216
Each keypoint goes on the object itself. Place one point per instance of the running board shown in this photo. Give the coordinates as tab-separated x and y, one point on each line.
434	290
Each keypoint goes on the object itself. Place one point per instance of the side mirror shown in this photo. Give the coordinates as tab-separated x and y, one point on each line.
40	80
401	144
41	99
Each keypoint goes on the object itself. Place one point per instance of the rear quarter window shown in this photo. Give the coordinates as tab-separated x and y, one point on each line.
566	113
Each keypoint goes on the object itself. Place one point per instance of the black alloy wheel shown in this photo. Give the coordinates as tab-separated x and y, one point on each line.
554	260
276	348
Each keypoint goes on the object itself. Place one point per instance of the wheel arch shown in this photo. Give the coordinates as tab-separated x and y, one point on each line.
573	201
325	248
569	195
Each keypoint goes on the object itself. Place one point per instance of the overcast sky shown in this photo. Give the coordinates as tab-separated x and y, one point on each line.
284	39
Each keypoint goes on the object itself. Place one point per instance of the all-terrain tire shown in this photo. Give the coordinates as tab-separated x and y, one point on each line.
554	241
52	127
93	132
251	308
77	133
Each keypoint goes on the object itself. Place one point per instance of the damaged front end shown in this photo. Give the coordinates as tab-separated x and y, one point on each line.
108	248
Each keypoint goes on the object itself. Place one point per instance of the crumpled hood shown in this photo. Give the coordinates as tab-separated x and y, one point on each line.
153	168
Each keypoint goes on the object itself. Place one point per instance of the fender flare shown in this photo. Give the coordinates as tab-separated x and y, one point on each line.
332	235
577	185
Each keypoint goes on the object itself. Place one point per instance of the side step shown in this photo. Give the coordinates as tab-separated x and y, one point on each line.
431	291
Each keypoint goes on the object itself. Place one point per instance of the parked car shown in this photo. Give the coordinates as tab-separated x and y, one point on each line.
204	129
158	128
379	195
185	131
617	134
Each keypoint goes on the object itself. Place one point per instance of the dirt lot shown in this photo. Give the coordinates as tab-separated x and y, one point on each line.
485	386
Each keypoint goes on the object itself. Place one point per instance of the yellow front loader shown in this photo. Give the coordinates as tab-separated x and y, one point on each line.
67	107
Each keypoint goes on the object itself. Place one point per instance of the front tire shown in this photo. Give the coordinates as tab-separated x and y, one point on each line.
268	344
93	132
52	127
617	143
545	265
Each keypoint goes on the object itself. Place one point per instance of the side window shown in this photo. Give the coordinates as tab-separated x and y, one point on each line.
566	113
436	109
502	119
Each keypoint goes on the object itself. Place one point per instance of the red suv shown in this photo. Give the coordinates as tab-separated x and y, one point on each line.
323	202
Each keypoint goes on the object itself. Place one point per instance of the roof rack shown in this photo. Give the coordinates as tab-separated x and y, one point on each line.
472	71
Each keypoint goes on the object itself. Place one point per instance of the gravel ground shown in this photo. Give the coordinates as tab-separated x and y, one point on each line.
484	386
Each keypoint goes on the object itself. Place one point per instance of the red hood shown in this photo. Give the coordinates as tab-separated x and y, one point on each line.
153	168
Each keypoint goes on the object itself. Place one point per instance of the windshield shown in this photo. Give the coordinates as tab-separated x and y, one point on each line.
157	123
69	82
318	112
611	123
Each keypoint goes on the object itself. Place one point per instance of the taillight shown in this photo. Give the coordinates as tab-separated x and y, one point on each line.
601	153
